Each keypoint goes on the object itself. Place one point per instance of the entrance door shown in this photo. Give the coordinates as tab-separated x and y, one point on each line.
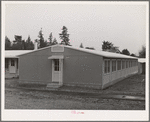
12	67
57	70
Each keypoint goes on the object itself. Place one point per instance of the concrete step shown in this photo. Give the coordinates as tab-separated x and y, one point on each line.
53	85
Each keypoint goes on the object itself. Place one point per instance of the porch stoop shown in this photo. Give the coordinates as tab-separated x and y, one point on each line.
53	85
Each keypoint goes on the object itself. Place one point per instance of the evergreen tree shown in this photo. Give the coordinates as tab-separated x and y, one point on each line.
29	44
64	36
91	48
17	43
23	45
133	55
7	43
54	42
142	52
41	39
50	39
81	45
106	45
125	52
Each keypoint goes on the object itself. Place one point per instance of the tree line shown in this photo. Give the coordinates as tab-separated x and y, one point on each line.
109	47
19	44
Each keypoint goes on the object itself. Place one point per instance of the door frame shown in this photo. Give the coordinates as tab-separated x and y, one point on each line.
10	65
60	71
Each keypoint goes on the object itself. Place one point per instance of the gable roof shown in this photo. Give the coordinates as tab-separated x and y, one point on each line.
15	53
95	52
103	53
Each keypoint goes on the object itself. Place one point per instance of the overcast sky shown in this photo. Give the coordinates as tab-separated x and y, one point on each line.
123	25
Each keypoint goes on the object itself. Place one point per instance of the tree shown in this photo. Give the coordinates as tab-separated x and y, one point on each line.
133	55
91	48
125	52
41	39
29	44
106	45
23	45
81	45
54	42
142	52
64	36
17	43
50	39
7	43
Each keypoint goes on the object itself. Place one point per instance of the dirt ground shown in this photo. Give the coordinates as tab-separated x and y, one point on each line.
31	99
26	99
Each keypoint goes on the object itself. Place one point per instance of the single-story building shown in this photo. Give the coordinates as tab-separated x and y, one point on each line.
67	65
141	65
11	62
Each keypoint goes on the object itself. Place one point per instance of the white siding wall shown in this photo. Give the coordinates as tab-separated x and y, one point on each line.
112	76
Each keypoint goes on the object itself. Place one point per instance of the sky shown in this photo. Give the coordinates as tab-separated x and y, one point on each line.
88	23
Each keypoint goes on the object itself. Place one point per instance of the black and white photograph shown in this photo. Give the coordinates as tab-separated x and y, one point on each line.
75	60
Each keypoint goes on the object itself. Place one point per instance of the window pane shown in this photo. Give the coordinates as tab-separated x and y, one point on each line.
12	62
126	64
56	64
118	65
6	63
113	66
105	66
108	66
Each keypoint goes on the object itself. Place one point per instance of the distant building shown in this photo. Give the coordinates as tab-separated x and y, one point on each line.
141	65
12	61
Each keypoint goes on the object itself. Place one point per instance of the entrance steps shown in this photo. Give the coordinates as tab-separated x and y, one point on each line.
53	85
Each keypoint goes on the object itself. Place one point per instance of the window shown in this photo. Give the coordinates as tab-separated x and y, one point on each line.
12	62
119	65
6	63
17	63
132	64
107	66
113	66
127	64
56	64
136	63
123	64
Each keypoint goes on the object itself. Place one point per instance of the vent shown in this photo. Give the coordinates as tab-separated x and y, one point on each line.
57	49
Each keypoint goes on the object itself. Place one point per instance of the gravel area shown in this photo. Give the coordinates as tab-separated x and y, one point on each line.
130	86
26	99
34	99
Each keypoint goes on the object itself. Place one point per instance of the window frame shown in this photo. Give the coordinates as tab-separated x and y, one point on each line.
127	64
6	63
123	64
107	67
112	66
12	62
119	60
56	65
